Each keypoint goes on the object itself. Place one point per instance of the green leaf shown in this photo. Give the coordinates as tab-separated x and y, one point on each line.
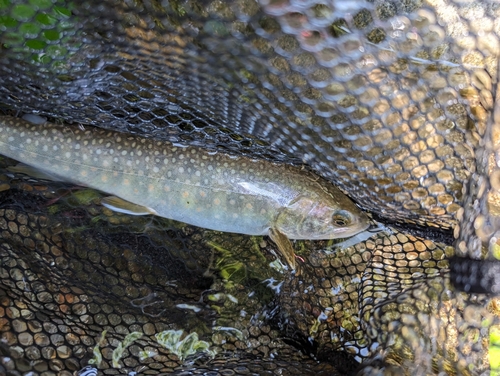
52	34
63	12
7	21
41	4
46	19
29	29
23	12
36	44
4	4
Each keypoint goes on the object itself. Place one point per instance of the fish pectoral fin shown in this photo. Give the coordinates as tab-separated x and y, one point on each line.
32	171
284	246
120	205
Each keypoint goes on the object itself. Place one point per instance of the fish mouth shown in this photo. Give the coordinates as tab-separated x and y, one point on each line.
347	232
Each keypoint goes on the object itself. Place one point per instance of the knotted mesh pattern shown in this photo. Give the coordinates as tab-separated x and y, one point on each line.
390	100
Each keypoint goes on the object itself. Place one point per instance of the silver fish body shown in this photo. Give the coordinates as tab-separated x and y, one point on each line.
208	189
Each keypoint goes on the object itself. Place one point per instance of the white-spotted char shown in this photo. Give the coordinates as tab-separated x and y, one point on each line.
204	188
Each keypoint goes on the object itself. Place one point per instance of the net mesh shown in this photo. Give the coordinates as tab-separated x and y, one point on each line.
393	101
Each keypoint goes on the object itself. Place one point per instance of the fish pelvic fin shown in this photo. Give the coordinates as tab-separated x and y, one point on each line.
32	172
120	205
284	246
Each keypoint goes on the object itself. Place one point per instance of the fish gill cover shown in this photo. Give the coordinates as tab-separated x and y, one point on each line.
392	101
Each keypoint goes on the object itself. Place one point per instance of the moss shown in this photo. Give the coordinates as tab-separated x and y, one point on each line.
376	35
362	19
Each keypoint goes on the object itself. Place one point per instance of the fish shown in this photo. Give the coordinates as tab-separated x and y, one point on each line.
201	187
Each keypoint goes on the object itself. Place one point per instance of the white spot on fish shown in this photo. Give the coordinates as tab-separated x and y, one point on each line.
156	169
197	173
77	146
67	154
98	151
45	148
181	169
10	139
124	152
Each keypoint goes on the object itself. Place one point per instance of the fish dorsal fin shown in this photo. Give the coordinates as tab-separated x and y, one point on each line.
120	205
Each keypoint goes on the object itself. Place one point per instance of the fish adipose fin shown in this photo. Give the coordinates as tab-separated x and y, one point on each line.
121	206
284	246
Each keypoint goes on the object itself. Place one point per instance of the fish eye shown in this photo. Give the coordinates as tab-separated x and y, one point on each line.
341	219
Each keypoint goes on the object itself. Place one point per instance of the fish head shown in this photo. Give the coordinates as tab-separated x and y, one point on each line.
324	218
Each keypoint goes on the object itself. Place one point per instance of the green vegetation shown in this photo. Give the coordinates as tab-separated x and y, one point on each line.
189	345
38	29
